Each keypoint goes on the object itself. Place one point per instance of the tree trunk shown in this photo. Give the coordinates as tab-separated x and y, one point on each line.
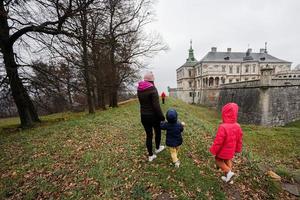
27	112
114	95
114	86
101	95
100	89
88	81
69	93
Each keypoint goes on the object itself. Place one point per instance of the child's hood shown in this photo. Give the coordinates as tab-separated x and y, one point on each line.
230	113
171	116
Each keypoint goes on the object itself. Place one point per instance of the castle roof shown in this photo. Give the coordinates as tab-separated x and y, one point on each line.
214	56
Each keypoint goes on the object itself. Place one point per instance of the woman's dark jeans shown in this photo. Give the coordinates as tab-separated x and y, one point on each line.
151	122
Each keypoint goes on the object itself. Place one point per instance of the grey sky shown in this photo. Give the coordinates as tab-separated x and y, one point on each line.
223	23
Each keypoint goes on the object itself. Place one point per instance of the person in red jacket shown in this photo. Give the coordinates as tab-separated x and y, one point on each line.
228	140
163	97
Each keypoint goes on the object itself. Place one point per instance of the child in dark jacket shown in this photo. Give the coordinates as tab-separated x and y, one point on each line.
228	140
173	138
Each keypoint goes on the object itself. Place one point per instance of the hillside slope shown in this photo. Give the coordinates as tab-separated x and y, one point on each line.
103	156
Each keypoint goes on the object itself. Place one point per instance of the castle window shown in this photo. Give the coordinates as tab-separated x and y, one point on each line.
238	69
217	80
279	76
237	80
223	68
246	79
190	73
211	81
230	69
254	68
263	58
230	80
190	84
216	66
191	94
223	80
246	68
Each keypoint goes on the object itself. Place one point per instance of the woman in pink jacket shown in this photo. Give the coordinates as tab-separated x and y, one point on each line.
228	140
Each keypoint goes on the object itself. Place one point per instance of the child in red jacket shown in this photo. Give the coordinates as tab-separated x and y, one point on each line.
228	140
163	97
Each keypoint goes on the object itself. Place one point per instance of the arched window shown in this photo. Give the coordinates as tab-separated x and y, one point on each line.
211	81
217	79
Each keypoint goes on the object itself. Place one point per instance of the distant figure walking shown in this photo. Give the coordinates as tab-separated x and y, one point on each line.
174	134
228	140
163	97
151	114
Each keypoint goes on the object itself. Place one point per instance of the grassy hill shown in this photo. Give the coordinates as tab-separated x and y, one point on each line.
103	156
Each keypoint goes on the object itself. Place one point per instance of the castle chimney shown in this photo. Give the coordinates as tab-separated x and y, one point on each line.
214	49
261	50
249	50
228	50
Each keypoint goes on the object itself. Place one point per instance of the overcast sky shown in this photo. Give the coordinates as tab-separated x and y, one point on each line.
220	23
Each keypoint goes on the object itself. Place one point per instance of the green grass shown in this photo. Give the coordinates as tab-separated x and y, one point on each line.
103	156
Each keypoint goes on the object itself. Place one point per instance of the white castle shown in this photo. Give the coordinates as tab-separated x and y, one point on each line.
217	68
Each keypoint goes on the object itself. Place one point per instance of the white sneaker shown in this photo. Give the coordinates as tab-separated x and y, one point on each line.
151	158
223	178
177	164
227	177
161	148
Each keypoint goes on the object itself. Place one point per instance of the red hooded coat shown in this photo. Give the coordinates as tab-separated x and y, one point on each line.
229	136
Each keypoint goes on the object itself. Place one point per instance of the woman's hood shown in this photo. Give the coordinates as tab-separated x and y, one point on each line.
143	85
230	113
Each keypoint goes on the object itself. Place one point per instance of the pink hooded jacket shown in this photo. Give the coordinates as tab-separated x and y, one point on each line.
229	136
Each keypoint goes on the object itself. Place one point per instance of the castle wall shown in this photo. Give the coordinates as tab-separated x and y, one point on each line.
249	101
209	97
284	105
275	104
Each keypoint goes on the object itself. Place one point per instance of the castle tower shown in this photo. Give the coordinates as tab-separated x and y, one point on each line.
266	75
191	57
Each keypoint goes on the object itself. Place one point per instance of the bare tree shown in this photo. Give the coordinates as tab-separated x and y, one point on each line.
53	86
20	18
125	20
